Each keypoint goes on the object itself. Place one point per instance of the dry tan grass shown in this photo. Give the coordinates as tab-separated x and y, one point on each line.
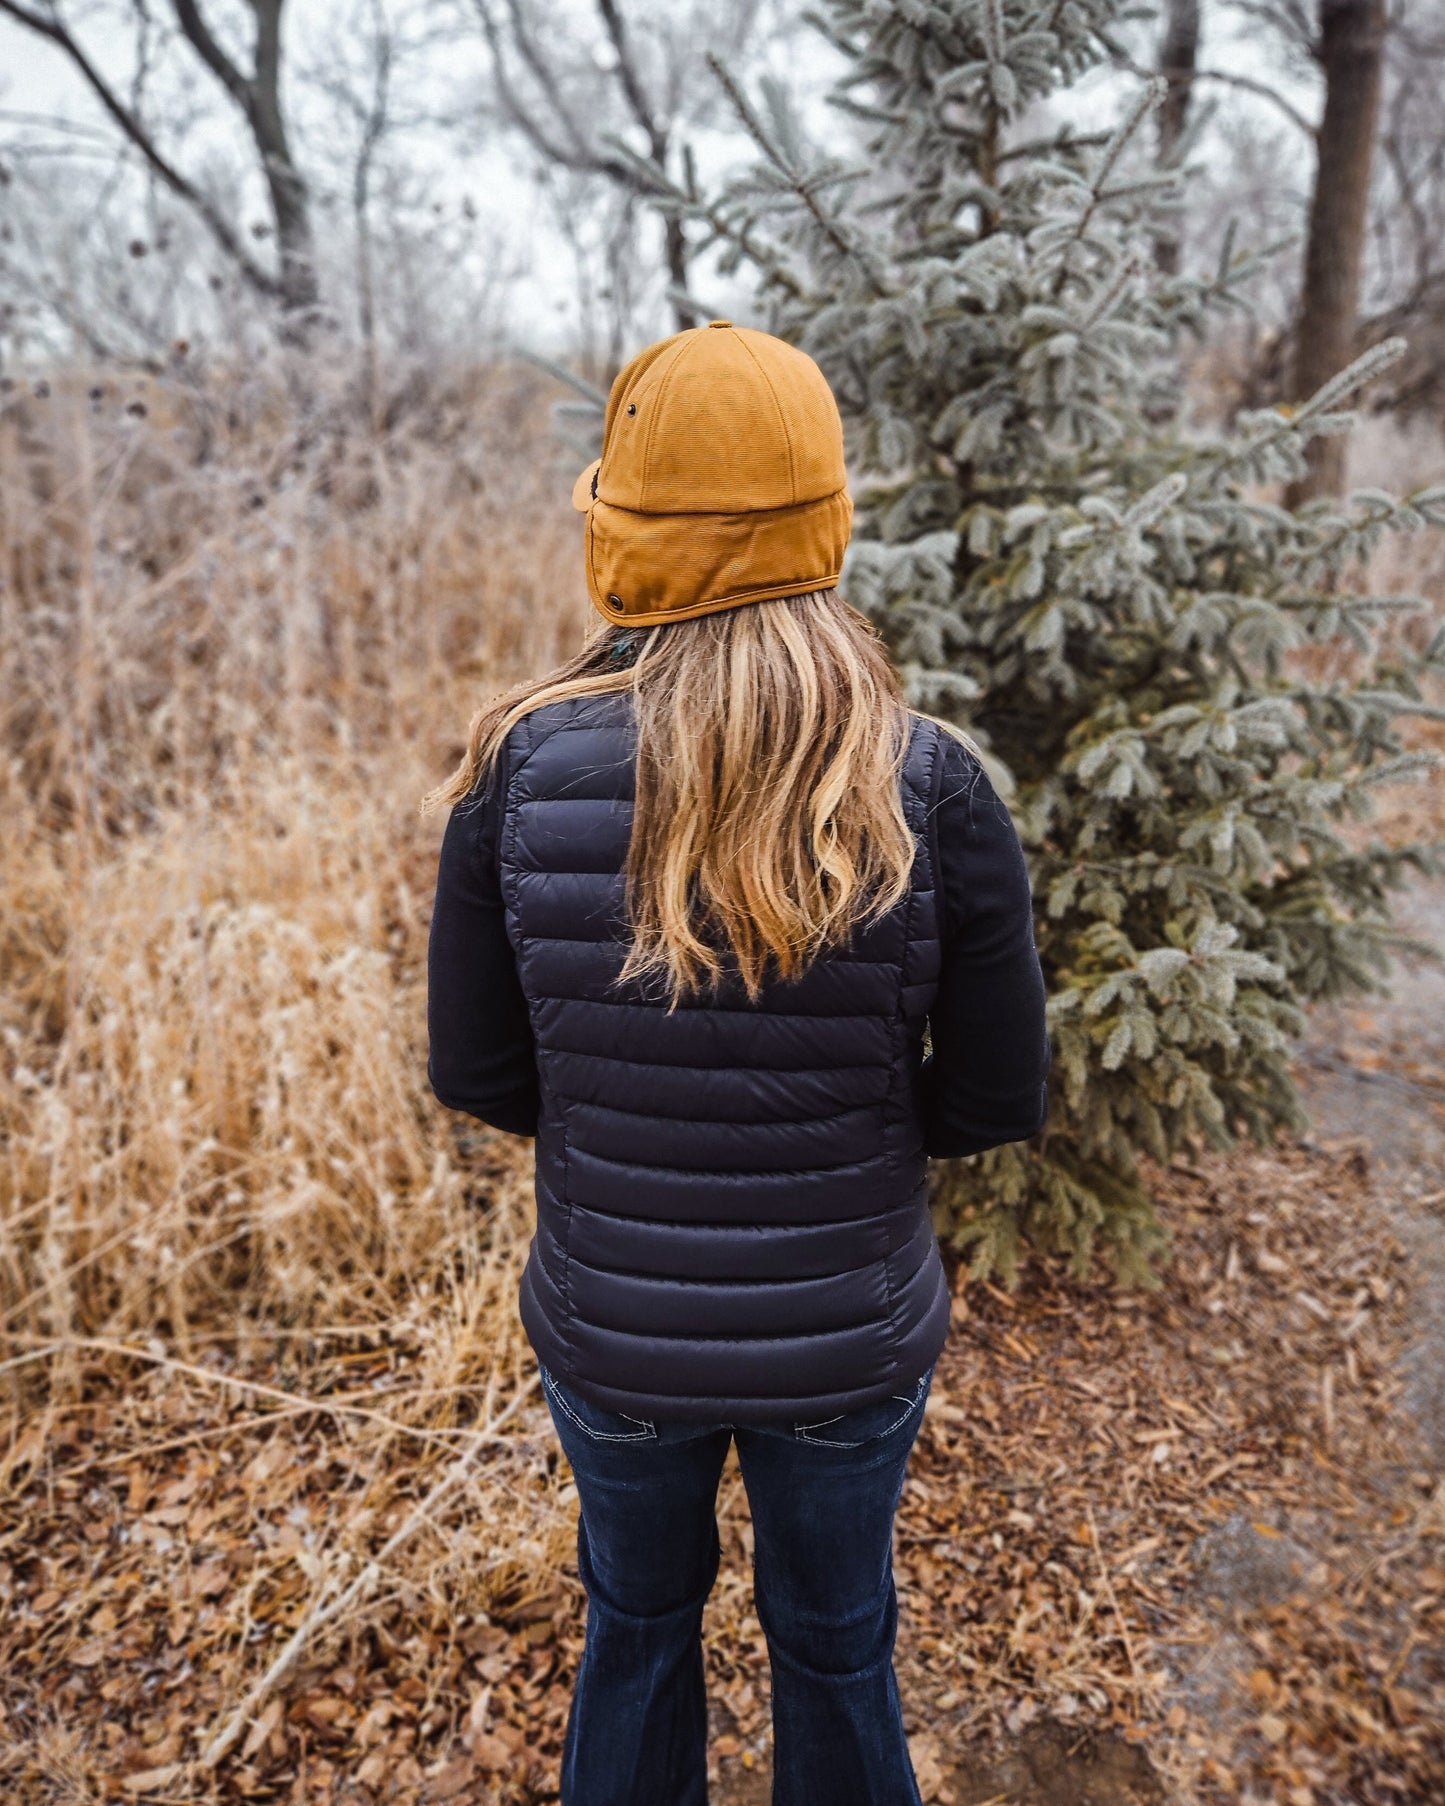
239	644
216	881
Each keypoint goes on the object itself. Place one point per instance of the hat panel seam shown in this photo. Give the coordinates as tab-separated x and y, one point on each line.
782	418
662	383
813	501
653	354
638	385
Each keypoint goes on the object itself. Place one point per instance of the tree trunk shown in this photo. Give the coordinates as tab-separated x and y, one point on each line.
677	256
1351	52
290	204
258	95
1178	59
365	277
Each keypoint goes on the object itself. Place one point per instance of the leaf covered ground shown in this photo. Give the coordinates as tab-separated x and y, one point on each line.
1190	1529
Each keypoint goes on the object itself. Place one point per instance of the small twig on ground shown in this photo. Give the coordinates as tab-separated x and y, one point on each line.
322	1614
1108	1583
298	1401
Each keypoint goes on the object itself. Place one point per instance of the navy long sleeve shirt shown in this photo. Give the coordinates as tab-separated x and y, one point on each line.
985	1082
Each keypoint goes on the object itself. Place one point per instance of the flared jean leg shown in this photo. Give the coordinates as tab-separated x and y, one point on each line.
823	1519
637	1727
647	1555
837	1715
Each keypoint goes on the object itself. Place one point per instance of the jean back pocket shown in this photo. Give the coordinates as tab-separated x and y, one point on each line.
869	1423
592	1420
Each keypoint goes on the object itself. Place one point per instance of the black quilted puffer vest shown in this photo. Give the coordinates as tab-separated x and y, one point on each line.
732	1218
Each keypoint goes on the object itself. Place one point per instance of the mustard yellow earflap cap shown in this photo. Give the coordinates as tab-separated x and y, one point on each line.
721	479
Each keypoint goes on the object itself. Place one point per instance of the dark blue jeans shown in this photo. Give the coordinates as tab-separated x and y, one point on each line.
823	1496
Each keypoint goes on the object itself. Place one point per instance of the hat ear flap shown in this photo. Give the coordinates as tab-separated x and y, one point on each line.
584	490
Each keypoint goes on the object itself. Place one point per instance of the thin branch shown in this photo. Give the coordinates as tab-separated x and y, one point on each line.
1264	91
198	35
629	78
1414	208
1248	83
1119	1619
49	28
135	131
73	128
576	155
544	75
322	1614
337	1408
1296	21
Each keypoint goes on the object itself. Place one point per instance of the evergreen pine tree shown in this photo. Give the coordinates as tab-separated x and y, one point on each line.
1106	599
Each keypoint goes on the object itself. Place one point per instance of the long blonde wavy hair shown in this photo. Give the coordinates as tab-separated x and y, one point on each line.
768	822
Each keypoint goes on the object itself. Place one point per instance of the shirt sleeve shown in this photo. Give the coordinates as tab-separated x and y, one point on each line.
482	1058
985	1082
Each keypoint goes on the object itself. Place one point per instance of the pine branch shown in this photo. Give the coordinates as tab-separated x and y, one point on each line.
1149	97
1288	422
1108	606
796	178
563	375
1356	375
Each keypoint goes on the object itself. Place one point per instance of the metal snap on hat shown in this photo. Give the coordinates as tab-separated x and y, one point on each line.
721	479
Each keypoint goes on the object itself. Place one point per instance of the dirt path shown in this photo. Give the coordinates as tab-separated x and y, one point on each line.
1377	1071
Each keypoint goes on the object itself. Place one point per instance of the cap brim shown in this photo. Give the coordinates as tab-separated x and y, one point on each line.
582	497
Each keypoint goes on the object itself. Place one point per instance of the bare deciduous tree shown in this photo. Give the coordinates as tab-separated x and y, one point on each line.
256	92
1178	60
371	68
1405	273
608	108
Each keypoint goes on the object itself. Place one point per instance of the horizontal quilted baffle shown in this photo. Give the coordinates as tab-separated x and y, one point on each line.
643	1306
755	1366
680	1194
687	1092
571	966
769	1041
723	1251
715	1144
